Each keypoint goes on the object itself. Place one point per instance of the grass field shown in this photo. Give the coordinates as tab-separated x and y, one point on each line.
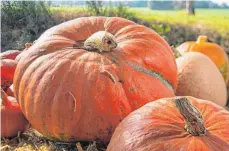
65	9
210	18
207	18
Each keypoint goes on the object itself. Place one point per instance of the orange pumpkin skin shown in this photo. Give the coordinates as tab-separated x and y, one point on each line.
84	95
12	119
212	50
159	126
10	54
27	46
8	67
195	78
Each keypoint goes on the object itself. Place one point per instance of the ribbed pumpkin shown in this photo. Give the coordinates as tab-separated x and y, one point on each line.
8	66
199	77
12	119
174	124
82	77
212	50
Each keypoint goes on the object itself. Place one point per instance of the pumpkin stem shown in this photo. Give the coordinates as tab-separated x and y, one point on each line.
176	53
201	39
194	123
100	41
28	45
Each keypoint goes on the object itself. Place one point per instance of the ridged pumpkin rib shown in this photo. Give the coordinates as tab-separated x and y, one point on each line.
20	73
95	105
32	66
18	85
83	85
114	24
57	107
63	75
119	83
137	32
26	81
151	73
34	92
74	109
151	46
30	82
135	55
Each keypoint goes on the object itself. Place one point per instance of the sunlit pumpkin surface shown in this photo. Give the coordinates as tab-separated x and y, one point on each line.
69	93
158	126
199	77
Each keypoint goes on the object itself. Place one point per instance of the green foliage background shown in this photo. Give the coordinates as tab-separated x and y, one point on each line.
25	21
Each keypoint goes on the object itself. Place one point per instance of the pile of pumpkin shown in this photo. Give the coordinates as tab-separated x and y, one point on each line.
112	80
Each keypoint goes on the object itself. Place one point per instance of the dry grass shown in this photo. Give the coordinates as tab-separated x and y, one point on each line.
31	140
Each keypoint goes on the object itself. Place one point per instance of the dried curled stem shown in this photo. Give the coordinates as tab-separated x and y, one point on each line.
194	123
74	110
100	41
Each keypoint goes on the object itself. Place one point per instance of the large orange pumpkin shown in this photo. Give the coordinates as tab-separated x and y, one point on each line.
82	77
212	50
12	119
174	124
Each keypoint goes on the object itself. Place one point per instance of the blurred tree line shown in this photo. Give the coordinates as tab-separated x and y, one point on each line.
97	8
162	4
167	5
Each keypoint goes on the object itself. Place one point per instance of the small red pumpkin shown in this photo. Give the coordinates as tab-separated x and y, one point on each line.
12	119
174	124
10	54
8	67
